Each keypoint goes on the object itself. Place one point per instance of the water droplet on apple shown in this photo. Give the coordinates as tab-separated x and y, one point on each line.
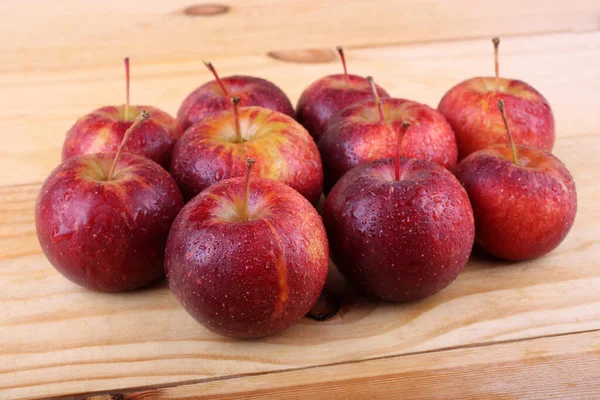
67	195
293	247
219	174
62	232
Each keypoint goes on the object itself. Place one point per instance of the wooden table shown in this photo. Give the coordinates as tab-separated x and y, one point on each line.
523	330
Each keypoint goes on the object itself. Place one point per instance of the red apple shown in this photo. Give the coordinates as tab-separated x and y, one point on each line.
330	94
102	130
399	230
367	130
470	109
523	198
217	147
214	96
247	260
103	219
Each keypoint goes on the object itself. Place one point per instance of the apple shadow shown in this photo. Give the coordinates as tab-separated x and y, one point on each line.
481	260
338	297
159	284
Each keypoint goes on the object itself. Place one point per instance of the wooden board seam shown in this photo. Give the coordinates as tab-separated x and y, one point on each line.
92	395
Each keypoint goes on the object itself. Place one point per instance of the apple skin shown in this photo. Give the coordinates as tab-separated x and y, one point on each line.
328	95
356	135
521	211
399	240
252	278
107	235
209	98
470	108
284	151
102	130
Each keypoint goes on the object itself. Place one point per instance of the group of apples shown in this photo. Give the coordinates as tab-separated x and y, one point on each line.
248	254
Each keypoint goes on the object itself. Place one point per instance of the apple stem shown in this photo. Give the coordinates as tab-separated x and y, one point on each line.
377	98
126	88
219	81
508	132
399	137
245	212
235	101
496	42
143	116
340	51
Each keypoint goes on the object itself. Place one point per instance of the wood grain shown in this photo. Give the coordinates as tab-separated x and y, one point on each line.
37	36
61	60
38	106
564	367
52	329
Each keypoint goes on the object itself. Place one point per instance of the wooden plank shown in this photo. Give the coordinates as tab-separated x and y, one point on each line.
59	339
564	367
86	34
39	105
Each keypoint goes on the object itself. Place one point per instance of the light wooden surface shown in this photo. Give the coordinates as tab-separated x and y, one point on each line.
563	367
59	61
